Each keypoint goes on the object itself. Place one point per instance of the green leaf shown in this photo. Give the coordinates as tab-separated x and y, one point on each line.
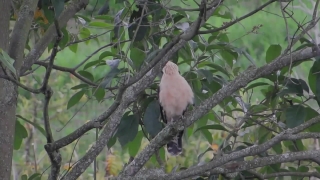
134	145
138	57
58	7
92	63
277	148
108	78
36	125
314	79
207	135
251	86
273	52
229	56
24	177
128	129
106	54
258	108
85	33
65	38
111	142
311	113
151	118
75	99
294	86
20	134
212	127
99	93
295	115
303	169
101	25
214	66
141	29
7	61
80	86
86	74
35	176
74	47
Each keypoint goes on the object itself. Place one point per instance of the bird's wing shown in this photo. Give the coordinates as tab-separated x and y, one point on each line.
162	112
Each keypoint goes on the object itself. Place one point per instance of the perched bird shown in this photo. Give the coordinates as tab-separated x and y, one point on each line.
175	94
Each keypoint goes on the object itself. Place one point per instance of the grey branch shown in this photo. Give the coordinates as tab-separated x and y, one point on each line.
20	32
73	7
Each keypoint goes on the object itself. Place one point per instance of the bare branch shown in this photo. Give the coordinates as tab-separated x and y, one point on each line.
237	20
20	32
73	7
295	174
55	156
4	24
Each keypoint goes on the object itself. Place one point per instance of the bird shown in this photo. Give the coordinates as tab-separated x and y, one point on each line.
175	95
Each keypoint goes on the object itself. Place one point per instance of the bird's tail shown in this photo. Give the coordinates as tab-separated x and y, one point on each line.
174	147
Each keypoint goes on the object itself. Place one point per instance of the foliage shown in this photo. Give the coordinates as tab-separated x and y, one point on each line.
98	56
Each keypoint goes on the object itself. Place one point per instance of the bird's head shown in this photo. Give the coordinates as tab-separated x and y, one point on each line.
170	68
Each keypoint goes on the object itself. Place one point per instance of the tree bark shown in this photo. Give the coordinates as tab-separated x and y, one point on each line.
8	100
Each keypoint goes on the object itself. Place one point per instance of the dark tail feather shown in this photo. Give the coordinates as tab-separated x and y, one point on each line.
174	147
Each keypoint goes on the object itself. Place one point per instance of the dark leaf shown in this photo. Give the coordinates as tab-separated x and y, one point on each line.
295	115
58	7
111	142
151	118
127	129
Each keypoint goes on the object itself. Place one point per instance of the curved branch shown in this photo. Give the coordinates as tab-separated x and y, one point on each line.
237	20
72	8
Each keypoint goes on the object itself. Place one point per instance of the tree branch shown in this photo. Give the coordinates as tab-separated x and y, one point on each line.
237	20
55	156
295	174
72	8
20	32
4	24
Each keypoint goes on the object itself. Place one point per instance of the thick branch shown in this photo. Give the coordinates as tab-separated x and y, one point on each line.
260	162
216	165
4	24
20	32
295	174
73	7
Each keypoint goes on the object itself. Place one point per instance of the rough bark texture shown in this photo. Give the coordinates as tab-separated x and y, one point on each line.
8	100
